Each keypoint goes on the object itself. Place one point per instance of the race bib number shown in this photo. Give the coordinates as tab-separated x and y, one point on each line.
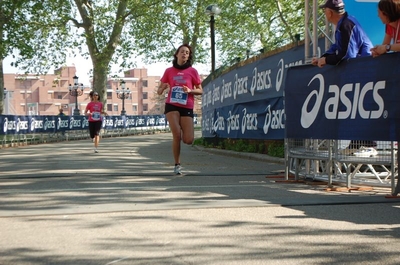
178	96
96	116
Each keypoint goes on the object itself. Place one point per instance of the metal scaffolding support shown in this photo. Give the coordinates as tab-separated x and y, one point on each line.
334	166
313	30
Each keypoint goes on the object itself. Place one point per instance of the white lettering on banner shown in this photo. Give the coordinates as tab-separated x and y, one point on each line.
219	124
151	122
249	121
267	120
208	124
278	117
140	121
36	124
240	86
215	94
11	125
130	122
274	119
62	123
260	81
108	123
204	124
209	98
279	75
118	122
340	96
233	122
85	122
211	124
160	121
22	125
226	90
5	125
74	123
49	124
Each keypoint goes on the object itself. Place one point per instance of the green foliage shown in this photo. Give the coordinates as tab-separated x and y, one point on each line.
276	149
254	25
38	30
273	148
120	31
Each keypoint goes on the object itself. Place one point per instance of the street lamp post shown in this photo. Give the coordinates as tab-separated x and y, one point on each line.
76	90
123	94
212	10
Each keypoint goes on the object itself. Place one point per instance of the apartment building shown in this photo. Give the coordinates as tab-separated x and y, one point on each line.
142	98
46	94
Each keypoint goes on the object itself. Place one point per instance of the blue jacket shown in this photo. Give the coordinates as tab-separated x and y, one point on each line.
351	41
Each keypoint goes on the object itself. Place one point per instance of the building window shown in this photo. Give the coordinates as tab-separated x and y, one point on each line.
145	107
134	107
145	83
145	95
115	107
109	95
59	95
109	107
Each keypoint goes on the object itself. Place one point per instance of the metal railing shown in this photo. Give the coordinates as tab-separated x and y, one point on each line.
372	163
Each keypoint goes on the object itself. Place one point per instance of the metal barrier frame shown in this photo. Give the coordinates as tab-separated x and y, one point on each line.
327	160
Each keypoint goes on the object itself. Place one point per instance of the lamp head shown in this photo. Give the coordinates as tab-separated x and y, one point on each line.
123	84
75	80
213	10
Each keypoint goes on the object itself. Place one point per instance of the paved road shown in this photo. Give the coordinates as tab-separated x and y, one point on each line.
62	204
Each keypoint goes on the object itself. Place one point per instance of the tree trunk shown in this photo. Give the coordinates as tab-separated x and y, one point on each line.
100	82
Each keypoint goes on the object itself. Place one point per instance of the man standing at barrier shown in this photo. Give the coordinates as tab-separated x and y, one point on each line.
351	41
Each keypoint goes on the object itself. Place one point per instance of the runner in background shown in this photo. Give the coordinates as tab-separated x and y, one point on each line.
183	82
94	110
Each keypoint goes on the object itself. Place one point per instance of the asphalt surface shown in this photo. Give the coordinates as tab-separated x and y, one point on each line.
61	203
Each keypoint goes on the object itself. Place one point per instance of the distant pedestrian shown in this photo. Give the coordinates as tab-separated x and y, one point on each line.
94	110
61	112
183	82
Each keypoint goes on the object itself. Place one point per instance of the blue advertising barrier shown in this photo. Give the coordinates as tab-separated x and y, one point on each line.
355	100
247	102
10	124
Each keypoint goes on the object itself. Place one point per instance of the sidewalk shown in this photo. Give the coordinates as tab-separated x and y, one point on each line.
61	203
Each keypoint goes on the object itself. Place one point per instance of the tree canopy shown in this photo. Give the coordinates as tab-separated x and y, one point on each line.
110	32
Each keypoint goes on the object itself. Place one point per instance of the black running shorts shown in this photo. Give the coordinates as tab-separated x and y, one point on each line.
182	111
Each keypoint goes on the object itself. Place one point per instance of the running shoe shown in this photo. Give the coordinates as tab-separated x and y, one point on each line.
177	170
